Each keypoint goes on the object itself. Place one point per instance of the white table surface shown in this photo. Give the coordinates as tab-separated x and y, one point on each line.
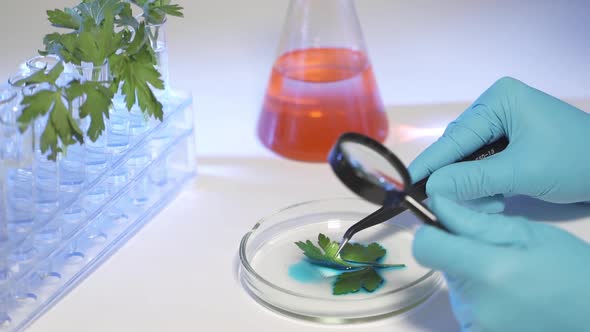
178	273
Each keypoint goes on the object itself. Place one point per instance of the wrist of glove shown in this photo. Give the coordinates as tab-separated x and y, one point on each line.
508	273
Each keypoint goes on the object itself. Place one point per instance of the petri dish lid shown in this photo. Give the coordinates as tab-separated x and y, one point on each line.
276	274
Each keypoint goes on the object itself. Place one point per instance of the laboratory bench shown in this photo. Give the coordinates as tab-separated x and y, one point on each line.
181	271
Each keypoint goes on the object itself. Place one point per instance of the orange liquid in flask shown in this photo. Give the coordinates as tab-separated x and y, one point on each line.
316	95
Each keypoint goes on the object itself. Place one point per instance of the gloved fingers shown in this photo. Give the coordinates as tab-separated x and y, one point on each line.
486	120
452	254
493	204
474	179
481	227
477	127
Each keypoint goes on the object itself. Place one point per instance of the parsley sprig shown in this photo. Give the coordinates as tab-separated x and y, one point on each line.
155	11
360	264
97	33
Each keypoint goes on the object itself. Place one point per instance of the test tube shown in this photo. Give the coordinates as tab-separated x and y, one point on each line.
19	193
73	171
156	33
118	127
46	171
97	156
158	40
46	184
96	152
139	193
17	160
7	98
160	140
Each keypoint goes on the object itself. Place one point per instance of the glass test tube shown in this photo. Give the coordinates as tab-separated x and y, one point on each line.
17	160
17	173
46	171
7	99
157	37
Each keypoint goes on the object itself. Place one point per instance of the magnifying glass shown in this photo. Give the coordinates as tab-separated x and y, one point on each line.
376	174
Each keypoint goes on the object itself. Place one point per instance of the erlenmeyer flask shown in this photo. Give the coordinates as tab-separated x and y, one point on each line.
322	83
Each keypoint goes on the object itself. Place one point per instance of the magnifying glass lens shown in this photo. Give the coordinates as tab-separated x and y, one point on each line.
372	166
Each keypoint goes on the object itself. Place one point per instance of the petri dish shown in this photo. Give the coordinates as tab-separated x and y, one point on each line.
275	273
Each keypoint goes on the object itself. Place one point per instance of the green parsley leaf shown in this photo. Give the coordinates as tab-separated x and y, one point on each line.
173	10
51	42
357	254
64	46
360	263
39	104
67	18
155	11
61	126
95	39
138	74
311	251
329	247
99	10
363	254
88	50
64	124
126	18
138	42
352	282
91	38
98	100
49	142
325	254
35	106
41	76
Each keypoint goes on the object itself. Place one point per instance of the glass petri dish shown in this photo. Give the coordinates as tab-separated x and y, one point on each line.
275	273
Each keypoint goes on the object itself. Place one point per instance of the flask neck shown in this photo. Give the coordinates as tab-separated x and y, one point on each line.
322	23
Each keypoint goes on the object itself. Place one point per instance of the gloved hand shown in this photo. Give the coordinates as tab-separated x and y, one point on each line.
547	158
506	273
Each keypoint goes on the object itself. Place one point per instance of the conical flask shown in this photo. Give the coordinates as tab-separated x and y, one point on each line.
322	83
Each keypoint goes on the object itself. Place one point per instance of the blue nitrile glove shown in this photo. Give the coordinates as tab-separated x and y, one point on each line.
507	273
548	156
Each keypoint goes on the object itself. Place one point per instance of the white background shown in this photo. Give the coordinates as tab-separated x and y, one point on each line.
424	52
431	59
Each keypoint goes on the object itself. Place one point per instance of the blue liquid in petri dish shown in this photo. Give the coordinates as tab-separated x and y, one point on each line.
305	272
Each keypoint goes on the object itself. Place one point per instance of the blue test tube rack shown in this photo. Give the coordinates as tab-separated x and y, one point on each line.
143	174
